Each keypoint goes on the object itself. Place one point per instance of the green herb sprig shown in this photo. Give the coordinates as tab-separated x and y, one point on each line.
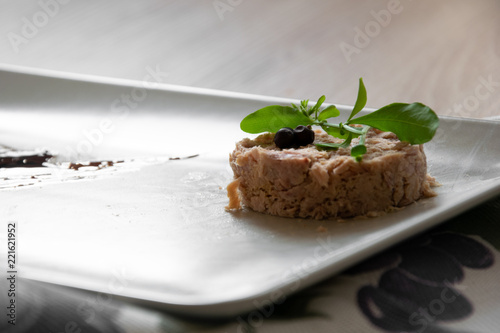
415	123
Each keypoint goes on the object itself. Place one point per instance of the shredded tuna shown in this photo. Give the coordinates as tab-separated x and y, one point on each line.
311	183
234	197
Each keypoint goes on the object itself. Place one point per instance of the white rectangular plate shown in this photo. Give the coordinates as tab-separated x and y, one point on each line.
155	229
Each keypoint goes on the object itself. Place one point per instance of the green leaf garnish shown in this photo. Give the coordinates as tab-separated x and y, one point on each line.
360	101
335	146
340	132
272	118
330	112
358	151
335	132
316	107
414	123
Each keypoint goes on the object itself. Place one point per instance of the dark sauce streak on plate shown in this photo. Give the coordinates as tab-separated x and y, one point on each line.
98	164
182	158
25	161
104	164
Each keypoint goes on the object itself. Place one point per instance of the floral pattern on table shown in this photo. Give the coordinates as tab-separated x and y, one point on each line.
420	288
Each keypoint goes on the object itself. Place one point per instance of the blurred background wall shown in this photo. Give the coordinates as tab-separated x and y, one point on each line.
442	53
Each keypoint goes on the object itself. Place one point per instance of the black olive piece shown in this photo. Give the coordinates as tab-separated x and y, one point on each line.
303	135
284	138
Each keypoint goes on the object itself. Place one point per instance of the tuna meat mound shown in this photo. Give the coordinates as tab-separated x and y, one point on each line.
311	183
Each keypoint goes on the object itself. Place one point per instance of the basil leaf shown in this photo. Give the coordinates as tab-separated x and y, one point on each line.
328	145
335	146
330	112
336	132
319	102
358	150
272	118
414	123
318	105
360	101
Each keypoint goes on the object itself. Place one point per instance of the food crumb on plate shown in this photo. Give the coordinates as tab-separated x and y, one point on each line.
321	229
